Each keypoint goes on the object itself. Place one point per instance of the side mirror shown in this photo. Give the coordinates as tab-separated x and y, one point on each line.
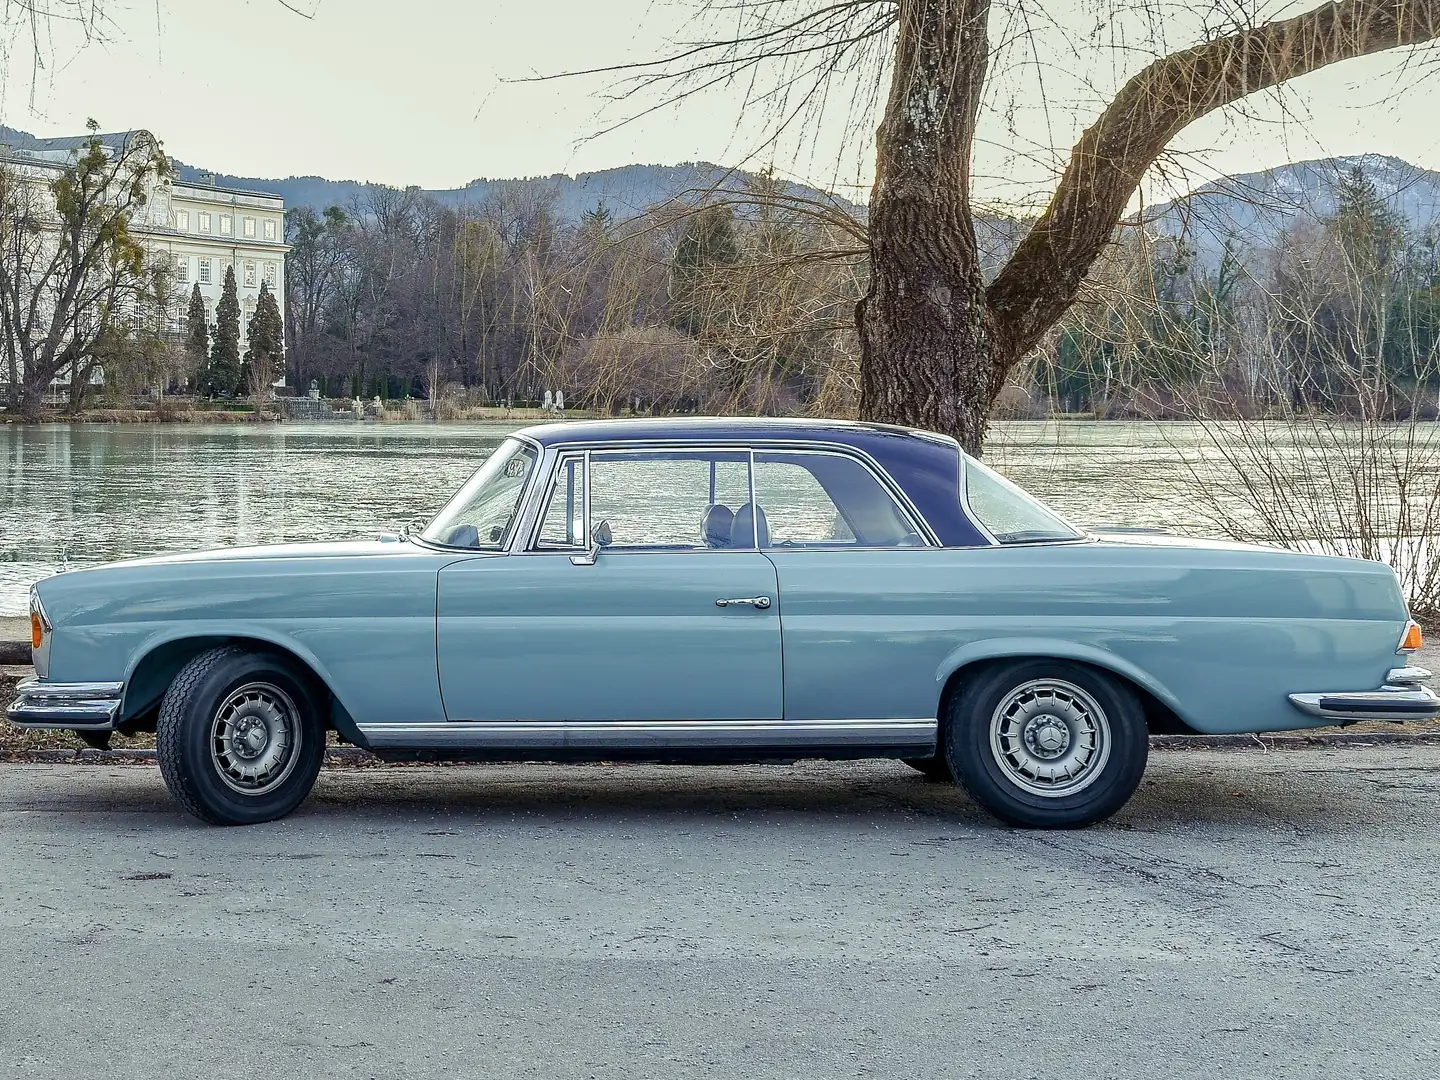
600	536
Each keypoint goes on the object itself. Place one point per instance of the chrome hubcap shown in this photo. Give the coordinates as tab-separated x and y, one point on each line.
255	738
1050	737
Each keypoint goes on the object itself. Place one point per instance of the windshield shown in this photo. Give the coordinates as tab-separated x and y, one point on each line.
482	513
1012	516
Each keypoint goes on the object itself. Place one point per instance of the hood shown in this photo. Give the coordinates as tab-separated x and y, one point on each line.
324	549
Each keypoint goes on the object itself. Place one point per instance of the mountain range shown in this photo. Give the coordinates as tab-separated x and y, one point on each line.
1252	208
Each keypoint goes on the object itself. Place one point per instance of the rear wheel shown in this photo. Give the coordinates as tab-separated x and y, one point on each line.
1047	743
239	737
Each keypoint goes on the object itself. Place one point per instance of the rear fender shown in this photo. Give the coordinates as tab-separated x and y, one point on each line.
1019	648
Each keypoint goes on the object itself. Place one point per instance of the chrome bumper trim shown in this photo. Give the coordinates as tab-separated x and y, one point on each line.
531	735
87	706
1401	699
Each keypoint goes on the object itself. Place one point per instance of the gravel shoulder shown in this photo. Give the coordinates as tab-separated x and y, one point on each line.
1247	915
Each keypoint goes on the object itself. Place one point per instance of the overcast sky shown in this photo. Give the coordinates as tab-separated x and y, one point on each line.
420	92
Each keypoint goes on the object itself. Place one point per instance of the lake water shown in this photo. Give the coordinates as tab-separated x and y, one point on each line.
81	494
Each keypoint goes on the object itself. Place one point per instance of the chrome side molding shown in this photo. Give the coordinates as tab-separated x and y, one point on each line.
658	735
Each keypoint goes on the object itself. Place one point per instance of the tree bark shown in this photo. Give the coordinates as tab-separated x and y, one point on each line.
923	323
935	347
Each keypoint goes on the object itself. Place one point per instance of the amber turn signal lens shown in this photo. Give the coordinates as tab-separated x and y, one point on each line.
1413	638
37	630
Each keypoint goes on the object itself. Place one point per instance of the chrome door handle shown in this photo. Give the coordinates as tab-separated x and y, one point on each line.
761	602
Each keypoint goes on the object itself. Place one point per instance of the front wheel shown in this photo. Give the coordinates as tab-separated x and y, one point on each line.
239	737
1047	744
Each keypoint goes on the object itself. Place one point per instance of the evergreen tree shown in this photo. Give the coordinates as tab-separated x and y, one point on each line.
708	241
596	224
197	336
223	375
265	351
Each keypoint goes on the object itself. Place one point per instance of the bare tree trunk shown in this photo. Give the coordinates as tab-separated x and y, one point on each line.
925	332
935	345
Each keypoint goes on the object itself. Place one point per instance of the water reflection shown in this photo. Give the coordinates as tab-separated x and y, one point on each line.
93	493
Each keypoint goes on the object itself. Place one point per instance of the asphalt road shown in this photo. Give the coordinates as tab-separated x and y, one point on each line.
1249	915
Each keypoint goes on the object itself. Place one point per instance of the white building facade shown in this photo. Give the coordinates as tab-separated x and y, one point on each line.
199	230
205	230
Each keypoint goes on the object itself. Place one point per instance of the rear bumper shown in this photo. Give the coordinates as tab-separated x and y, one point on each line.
1401	699
89	706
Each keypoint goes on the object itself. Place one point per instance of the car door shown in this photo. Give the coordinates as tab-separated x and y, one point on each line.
672	616
857	575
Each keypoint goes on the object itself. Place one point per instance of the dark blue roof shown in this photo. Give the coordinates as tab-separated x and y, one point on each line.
926	465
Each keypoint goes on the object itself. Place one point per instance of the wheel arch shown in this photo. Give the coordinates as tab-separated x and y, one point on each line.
155	668
1163	715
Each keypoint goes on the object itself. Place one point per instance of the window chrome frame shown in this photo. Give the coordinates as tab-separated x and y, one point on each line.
522	504
1082	536
538	497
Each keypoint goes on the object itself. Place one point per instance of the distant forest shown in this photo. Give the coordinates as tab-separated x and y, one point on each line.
744	301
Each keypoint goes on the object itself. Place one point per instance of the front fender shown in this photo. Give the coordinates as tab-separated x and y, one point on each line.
1017	648
139	695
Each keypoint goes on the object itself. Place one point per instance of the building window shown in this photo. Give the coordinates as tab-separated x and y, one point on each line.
204	271
182	220
182	268
248	227
269	228
204	221
249	273
271	271
227	225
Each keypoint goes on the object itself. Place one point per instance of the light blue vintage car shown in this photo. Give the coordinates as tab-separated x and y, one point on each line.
713	591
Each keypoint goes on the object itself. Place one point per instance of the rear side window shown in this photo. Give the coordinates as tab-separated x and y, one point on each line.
1011	515
826	500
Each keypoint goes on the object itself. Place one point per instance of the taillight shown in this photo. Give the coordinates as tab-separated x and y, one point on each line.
1414	638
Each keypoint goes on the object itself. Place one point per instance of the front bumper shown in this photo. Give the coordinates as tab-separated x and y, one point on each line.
88	706
1401	699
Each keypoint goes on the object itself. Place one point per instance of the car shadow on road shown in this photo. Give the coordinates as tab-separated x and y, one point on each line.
1227	792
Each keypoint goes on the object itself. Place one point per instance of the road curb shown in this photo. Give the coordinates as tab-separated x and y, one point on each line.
15	652
340	757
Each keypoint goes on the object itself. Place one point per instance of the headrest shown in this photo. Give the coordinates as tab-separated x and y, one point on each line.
715	526
742	530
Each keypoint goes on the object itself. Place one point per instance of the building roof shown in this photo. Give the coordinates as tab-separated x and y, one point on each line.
927	466
115	140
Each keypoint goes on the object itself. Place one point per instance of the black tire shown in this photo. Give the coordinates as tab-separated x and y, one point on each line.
1014	777
934	769
208	774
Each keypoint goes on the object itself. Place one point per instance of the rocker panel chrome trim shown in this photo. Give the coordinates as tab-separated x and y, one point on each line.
658	735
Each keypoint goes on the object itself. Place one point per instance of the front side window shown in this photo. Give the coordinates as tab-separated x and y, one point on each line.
182	268
249	273
182	220
270	274
483	512
203	219
227	225
269	228
653	500
824	500
1011	515
249	226
204	271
